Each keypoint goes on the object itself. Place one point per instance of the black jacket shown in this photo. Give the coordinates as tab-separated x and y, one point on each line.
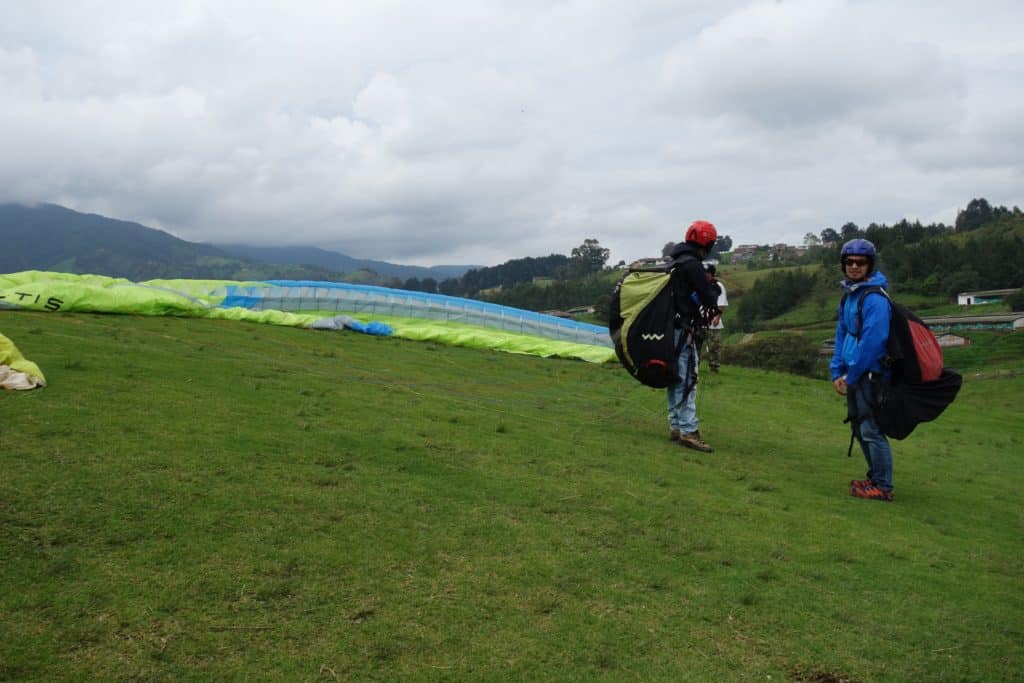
688	278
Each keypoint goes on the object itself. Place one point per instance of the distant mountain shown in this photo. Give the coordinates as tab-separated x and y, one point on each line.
336	261
52	237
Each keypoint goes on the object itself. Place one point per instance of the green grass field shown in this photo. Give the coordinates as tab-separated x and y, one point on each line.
204	500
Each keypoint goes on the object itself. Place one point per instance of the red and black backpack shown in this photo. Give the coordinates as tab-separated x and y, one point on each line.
913	353
917	387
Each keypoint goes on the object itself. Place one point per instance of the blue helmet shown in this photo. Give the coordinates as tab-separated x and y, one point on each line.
859	247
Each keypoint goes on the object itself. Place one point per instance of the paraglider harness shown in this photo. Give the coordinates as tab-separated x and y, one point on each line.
913	386
642	325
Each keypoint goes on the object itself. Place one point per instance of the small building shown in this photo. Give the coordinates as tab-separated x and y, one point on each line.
986	296
744	252
782	251
1008	322
948	339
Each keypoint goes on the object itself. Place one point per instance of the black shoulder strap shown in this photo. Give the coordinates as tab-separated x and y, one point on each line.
682	258
860	303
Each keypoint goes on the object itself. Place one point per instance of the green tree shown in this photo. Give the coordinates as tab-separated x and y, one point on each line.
589	257
977	213
796	354
450	286
772	296
851	231
722	245
1016	300
961	280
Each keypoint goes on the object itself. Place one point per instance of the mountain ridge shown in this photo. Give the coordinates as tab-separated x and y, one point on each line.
47	236
337	261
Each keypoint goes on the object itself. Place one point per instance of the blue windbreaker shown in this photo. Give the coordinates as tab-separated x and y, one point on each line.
855	356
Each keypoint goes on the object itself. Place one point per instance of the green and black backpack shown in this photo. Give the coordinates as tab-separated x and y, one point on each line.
642	322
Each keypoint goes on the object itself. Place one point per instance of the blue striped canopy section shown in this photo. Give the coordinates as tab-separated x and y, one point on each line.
372	301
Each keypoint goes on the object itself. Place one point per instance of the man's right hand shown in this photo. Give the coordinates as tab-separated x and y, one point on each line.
840	385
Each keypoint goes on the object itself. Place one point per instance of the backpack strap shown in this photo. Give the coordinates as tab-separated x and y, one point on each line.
860	304
670	268
686	337
879	392
854	423
681	259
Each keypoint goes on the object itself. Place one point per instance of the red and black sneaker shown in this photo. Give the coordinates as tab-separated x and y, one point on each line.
860	483
872	492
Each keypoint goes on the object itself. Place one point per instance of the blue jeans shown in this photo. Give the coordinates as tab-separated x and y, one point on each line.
682	411
872	440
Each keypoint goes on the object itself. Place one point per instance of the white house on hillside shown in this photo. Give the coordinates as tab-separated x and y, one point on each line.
987	296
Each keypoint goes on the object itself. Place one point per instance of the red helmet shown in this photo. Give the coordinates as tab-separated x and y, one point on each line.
702	233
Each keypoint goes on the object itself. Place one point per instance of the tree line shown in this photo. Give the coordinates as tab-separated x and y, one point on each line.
935	260
940	260
773	295
932	259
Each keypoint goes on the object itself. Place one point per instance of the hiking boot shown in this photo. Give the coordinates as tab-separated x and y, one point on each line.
673	435
872	492
693	440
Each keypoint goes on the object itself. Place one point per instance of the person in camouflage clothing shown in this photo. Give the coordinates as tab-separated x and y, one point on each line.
715	330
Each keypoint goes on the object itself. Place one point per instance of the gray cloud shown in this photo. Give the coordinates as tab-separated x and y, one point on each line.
477	132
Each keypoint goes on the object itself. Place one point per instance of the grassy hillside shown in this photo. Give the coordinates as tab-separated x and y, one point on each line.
741	279
209	500
817	311
1007	225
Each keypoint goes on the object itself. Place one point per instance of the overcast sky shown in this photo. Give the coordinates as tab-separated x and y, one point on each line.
477	131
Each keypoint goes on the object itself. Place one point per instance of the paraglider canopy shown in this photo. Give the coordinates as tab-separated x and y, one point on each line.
17	372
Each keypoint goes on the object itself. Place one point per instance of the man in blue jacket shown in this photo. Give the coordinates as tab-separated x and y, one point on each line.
859	352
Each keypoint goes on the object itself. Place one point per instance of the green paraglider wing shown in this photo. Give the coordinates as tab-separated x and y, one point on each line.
325	305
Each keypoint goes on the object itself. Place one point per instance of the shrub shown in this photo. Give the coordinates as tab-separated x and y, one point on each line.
772	296
795	354
1016	300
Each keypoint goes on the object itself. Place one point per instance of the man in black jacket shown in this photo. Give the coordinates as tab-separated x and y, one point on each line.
696	302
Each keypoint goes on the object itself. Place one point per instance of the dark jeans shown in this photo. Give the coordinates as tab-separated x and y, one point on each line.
872	440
